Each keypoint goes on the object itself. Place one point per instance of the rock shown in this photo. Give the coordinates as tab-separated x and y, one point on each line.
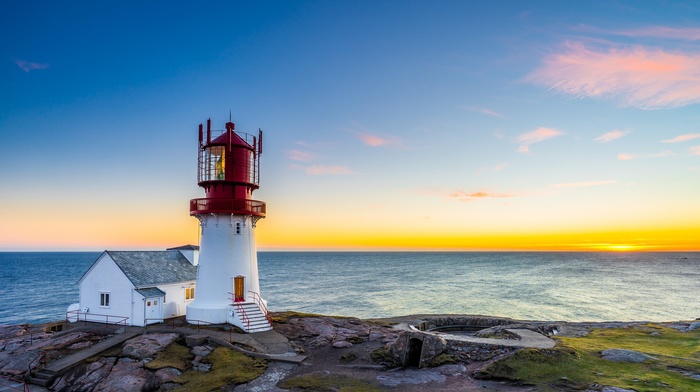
166	375
410	376
373	337
17	364
126	376
451	370
616	389
342	344
146	346
619	355
432	347
200	367
196	340
80	345
693	326
84	378
201	351
319	342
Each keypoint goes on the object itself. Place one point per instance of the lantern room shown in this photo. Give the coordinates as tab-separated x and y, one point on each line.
228	171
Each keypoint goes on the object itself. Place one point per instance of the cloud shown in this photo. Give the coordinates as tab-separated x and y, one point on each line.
372	140
471	196
536	136
637	76
683	33
297	155
318	170
485	111
379	141
500	167
610	136
629	156
695	150
583	184
28	66
682	138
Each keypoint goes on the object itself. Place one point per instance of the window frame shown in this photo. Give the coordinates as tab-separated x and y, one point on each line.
105	299
188	296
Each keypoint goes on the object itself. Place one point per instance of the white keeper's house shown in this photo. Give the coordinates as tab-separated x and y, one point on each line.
137	287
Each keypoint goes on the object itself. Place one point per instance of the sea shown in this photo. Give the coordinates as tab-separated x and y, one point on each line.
563	286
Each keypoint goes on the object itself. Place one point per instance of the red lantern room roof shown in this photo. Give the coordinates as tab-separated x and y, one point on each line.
230	137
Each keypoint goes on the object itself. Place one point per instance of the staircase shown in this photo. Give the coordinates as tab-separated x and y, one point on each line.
251	318
43	377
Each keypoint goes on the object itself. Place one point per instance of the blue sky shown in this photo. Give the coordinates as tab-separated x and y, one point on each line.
388	124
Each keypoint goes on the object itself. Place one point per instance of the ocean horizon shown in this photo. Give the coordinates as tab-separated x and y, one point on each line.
561	286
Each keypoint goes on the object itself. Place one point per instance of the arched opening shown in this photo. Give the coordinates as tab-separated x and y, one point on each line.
415	349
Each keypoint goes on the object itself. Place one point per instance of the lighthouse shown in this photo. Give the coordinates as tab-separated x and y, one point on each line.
227	288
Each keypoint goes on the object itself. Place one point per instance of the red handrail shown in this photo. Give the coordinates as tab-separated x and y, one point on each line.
42	358
258	300
241	311
25	387
244	206
77	313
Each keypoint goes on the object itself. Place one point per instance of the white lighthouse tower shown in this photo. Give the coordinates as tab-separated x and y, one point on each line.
227	289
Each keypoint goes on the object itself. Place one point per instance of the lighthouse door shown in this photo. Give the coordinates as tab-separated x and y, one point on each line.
239	288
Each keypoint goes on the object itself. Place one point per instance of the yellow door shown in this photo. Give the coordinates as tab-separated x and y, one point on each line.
239	288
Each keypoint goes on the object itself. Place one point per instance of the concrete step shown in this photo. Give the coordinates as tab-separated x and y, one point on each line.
256	320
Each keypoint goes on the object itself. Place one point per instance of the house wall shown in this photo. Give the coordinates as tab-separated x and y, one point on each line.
105	277
175	304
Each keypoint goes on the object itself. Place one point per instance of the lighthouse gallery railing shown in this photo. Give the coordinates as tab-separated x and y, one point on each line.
204	206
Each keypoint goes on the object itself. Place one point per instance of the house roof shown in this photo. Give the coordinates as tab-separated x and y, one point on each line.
151	292
185	247
151	268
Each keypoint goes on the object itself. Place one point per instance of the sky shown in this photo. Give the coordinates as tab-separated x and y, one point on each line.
389	125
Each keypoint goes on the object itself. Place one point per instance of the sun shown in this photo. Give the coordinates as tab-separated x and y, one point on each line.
620	247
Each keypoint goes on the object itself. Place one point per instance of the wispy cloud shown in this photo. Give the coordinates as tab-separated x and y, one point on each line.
636	76
298	155
610	136
682	138
483	110
28	66
680	33
471	196
373	140
584	184
629	156
695	150
538	135
318	170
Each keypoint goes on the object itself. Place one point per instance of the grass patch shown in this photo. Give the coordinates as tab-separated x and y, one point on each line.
328	383
577	362
281	317
228	368
175	356
442	359
382	357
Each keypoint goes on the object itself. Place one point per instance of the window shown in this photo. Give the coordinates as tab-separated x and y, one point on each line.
104	300
189	293
238	227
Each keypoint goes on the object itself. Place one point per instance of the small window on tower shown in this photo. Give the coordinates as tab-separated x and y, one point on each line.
238	227
189	293
104	300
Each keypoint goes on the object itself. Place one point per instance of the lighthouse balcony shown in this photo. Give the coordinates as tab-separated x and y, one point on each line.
227	206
